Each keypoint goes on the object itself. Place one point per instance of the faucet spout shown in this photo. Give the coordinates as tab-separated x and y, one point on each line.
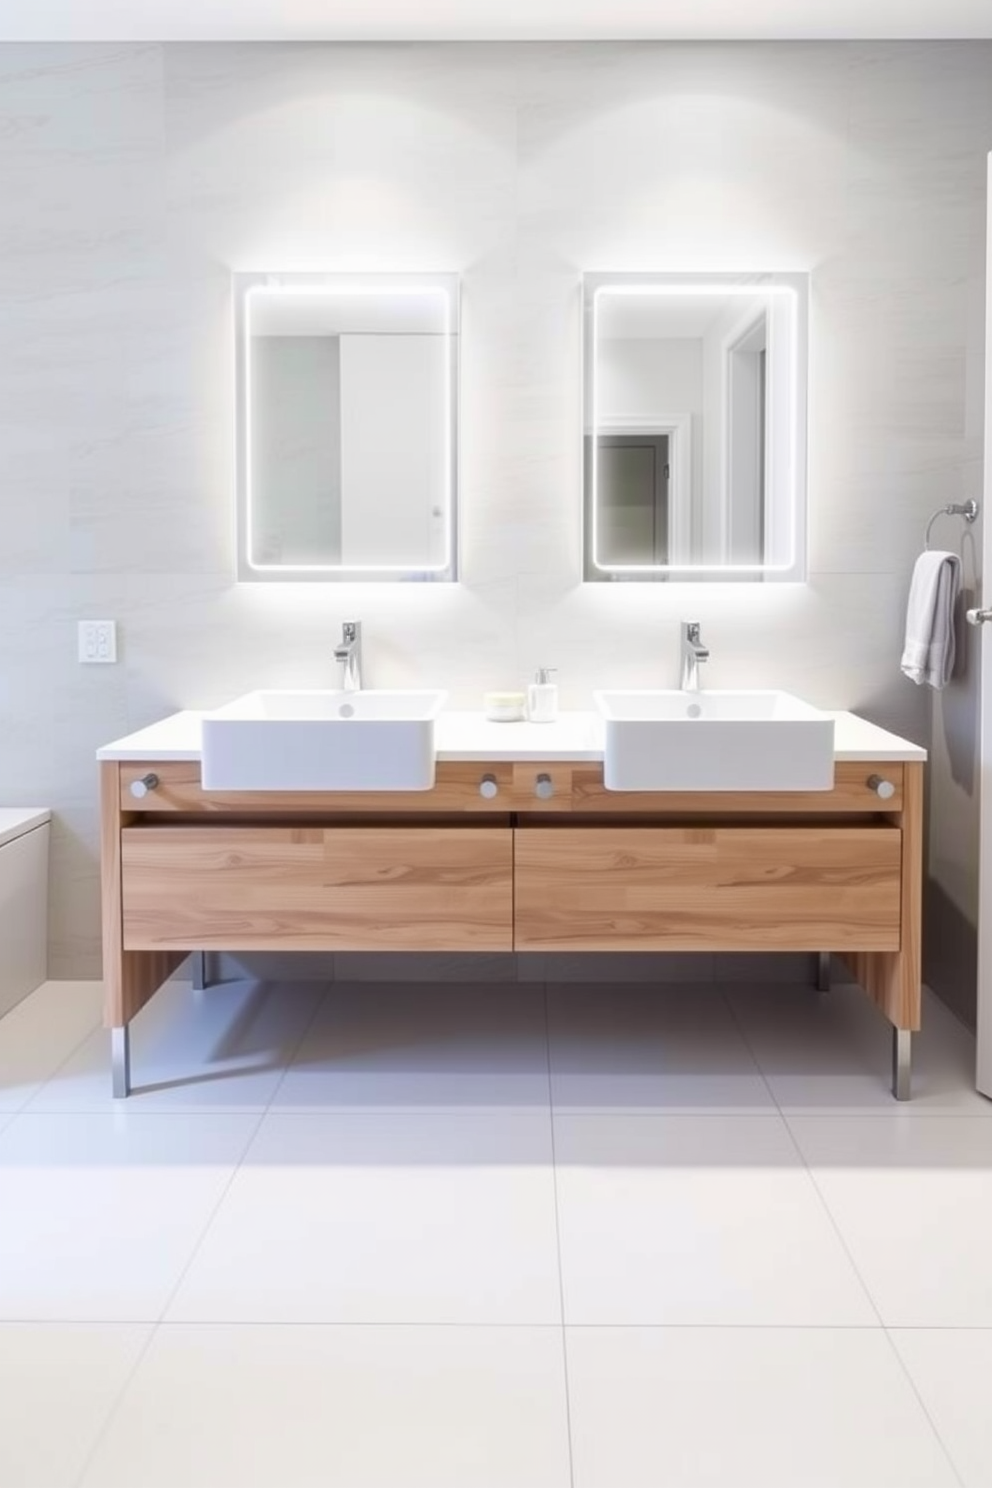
348	652
693	652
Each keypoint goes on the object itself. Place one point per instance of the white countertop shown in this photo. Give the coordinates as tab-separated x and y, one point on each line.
470	736
16	820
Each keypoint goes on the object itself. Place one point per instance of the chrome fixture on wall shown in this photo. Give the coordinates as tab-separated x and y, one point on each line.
966	509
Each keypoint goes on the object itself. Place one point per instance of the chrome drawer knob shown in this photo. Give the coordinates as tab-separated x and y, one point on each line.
141	787
978	617
488	787
884	789
544	787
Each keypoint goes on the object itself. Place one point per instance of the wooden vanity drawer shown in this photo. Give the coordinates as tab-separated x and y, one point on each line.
317	888
707	888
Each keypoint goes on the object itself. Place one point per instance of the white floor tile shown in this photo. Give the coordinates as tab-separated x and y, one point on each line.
746	1408
952	1370
223	1049
58	1385
101	1213
696	1219
913	1199
40	1032
634	1047
281	1407
389	1046
374	1218
832	1055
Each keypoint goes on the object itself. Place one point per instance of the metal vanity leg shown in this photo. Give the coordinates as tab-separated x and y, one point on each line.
823	971
902	1062
198	963
120	1061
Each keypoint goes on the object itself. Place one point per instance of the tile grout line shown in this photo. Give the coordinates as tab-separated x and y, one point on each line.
261	1117
808	1170
738	1023
836	1228
668	1326
318	1006
22	1109
116	1403
561	1277
157	1324
923	1406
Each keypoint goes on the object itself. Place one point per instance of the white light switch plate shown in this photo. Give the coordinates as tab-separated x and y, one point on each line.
98	640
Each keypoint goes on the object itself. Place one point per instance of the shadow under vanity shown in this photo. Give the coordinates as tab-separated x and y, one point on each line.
645	828
517	846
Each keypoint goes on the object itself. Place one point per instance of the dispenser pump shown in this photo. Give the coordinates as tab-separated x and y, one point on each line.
542	697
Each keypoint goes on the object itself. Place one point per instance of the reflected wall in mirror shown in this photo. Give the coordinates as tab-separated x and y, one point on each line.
347	426
694	449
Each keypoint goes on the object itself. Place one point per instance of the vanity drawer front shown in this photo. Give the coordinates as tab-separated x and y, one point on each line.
698	889
177	788
317	888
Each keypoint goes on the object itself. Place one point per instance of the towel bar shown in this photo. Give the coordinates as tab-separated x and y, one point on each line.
966	509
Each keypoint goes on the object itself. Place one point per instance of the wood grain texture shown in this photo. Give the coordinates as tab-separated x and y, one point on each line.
851	793
687	889
317	888
893	981
456	790
577	788
130	978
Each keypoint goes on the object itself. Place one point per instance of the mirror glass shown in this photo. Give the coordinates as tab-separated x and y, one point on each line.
347	426
694	450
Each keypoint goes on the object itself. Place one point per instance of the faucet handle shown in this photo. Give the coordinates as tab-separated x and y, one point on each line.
690	630
351	630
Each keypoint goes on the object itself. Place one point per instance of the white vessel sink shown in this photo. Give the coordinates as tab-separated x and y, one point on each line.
298	741
715	741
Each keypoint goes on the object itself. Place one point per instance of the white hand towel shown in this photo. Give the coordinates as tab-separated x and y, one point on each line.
928	656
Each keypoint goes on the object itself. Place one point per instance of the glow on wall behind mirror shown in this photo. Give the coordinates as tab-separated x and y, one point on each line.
786	459
356	315
144	176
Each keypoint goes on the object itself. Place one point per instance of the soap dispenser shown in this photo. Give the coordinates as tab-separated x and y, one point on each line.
542	697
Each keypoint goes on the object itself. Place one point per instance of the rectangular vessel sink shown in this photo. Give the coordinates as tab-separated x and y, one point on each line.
715	741
298	741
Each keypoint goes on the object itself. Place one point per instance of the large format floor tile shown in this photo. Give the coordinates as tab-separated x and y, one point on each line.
421	1046
912	1198
832	1055
746	1408
696	1219
40	1032
100	1214
626	1046
952	1370
58	1385
283	1407
223	1049
384	1219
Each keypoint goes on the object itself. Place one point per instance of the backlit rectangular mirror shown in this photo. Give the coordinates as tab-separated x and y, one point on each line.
347	426
694	449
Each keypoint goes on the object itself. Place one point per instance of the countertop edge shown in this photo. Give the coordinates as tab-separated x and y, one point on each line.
178	731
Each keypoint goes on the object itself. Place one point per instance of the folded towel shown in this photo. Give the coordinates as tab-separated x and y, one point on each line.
928	656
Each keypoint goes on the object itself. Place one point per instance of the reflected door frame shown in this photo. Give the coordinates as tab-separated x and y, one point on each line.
678	431
984	989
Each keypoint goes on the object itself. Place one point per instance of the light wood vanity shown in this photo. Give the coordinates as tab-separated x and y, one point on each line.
503	855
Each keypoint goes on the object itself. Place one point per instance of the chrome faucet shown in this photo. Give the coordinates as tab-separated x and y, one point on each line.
348	652
693	652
